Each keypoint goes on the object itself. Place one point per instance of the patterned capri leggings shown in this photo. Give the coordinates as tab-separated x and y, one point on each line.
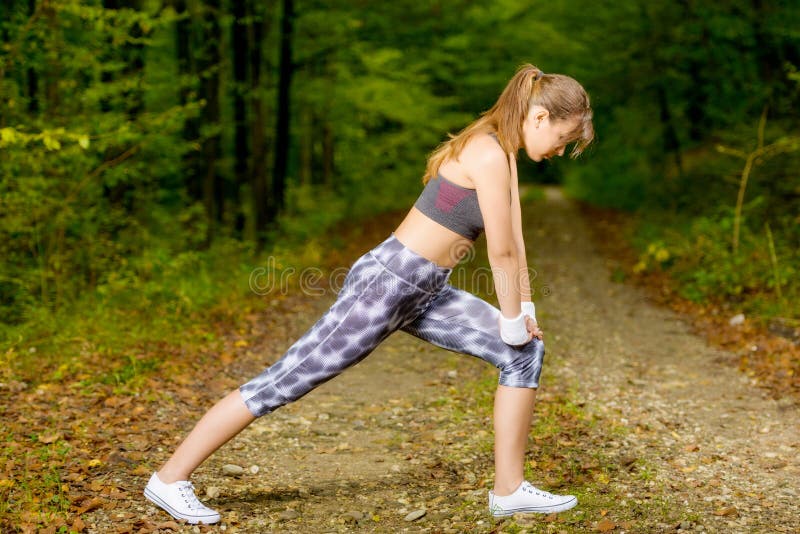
392	288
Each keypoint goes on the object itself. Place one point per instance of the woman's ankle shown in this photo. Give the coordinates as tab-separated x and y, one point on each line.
168	477
504	488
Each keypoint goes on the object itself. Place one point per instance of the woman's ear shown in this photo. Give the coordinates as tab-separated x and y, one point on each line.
539	115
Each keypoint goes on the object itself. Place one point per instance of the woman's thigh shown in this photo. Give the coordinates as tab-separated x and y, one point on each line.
459	321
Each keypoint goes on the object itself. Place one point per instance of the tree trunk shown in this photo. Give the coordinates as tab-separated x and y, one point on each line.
306	173
670	135
282	124
53	74
241	134
32	75
133	55
696	68
192	163
327	153
213	193
656	29
259	183
106	76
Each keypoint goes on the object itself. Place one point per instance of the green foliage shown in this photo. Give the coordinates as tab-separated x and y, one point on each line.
121	186
701	257
678	93
311	211
159	295
79	178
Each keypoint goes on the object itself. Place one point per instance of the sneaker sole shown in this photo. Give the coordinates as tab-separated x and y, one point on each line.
192	520
536	509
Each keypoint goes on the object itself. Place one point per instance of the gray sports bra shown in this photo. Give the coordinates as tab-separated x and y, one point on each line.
452	205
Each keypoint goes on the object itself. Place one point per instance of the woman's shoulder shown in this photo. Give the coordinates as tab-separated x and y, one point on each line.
484	159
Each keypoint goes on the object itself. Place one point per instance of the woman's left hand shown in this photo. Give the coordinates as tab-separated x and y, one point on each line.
533	327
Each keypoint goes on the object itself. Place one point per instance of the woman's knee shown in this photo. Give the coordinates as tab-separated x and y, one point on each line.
263	396
523	365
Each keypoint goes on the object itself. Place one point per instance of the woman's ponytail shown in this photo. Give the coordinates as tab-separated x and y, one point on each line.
512	106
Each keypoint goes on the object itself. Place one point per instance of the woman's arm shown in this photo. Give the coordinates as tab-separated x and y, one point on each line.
488	168
516	225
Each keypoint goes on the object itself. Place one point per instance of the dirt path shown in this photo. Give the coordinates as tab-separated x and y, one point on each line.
663	433
716	444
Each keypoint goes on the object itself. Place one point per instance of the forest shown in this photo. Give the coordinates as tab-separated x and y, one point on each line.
154	152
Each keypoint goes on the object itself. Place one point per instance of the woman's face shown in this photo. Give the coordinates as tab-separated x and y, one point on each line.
544	138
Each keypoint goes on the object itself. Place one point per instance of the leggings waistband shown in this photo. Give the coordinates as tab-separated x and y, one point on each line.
410	266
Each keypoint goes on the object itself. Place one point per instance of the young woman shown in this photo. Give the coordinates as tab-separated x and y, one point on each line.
402	284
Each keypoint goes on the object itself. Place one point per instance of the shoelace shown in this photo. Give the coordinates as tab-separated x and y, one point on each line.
533	490
187	492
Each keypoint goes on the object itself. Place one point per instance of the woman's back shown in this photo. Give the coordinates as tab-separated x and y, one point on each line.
442	229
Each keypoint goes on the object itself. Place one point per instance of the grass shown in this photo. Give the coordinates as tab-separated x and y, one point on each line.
129	374
155	303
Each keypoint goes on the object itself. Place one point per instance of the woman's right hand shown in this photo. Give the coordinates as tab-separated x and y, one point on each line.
533	328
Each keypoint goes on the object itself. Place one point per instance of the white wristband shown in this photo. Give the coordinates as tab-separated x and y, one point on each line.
513	331
528	308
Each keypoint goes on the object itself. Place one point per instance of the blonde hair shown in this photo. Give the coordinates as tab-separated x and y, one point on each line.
562	96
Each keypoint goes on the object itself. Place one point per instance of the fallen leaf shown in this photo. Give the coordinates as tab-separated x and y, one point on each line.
601	478
142	469
591	464
605	525
91	505
116	402
730	511
49	438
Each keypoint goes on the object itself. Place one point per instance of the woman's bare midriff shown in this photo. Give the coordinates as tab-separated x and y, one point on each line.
431	240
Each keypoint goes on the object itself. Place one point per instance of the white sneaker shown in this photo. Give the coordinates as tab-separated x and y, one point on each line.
527	498
179	501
